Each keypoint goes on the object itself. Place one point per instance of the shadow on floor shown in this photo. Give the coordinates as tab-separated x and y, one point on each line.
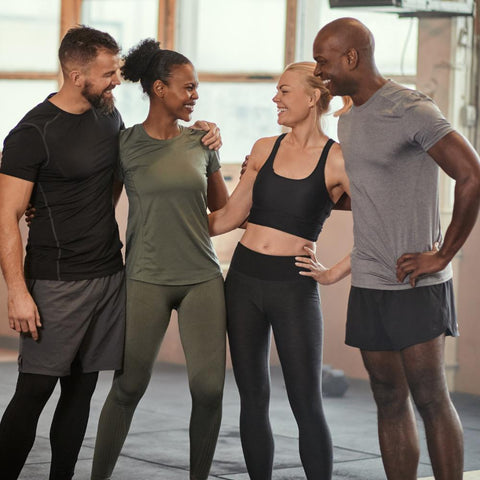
157	446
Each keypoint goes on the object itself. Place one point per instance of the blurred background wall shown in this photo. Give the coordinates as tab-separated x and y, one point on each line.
239	49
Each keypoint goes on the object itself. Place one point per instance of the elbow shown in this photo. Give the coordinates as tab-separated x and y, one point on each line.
474	183
469	185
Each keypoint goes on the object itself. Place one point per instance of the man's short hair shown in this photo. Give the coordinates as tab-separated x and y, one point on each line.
81	45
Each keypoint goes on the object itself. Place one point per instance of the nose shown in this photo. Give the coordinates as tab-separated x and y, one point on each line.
275	98
318	71
195	95
116	78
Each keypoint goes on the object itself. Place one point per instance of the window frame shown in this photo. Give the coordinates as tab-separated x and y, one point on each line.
70	11
70	15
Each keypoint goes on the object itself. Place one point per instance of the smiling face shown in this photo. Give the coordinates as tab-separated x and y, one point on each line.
331	64
180	94
100	77
294	102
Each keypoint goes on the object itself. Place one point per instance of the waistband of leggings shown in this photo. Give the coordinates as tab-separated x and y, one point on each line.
264	267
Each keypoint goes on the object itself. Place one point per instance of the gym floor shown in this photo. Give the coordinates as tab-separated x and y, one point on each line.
157	446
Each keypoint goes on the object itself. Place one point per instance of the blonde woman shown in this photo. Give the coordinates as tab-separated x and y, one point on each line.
288	190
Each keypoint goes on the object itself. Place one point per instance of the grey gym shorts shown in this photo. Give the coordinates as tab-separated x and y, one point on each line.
396	319
82	320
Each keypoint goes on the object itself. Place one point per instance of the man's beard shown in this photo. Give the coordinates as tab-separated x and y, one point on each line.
99	101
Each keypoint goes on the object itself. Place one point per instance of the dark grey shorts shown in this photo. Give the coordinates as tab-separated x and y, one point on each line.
82	321
396	319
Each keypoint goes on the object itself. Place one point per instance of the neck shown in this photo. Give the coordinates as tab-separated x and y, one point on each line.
160	125
367	88
307	134
70	100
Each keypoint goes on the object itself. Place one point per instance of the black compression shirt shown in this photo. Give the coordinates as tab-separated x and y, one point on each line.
296	206
72	160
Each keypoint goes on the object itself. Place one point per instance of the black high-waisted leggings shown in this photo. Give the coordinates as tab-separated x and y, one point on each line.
263	292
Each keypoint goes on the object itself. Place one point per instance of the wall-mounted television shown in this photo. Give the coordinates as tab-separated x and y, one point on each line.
412	8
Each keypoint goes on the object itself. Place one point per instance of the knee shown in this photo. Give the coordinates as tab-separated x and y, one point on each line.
34	389
430	398
207	392
80	386
255	398
127	390
308	412
391	398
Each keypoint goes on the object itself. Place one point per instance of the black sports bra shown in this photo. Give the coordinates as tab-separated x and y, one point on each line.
296	206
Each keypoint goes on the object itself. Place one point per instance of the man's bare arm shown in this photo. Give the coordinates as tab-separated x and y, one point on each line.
15	195
459	160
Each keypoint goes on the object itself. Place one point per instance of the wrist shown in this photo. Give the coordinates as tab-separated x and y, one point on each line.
17	287
445	256
330	276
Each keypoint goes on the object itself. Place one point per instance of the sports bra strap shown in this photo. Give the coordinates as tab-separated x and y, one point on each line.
274	151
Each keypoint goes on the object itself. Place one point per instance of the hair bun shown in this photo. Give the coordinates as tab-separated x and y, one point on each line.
138	59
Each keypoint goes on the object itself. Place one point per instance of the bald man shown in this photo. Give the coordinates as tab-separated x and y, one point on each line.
401	303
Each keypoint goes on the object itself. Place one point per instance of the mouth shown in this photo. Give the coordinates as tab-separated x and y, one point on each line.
327	83
281	110
190	107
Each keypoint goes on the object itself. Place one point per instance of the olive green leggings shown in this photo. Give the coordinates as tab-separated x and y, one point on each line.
201	320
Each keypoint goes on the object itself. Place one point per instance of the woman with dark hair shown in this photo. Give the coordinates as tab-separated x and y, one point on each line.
288	190
170	179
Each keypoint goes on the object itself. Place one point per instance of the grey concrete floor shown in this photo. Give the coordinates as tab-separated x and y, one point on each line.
157	446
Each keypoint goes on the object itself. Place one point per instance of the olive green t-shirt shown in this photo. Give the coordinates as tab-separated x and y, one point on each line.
166	182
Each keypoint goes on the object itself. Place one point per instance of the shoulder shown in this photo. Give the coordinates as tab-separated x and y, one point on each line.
261	150
129	140
193	135
335	151
335	173
335	157
38	116
192	138
31	126
263	146
129	132
403	100
116	118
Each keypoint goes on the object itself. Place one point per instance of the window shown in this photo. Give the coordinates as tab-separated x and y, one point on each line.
238	55
395	38
28	61
395	43
224	36
238	48
20	96
29	33
128	21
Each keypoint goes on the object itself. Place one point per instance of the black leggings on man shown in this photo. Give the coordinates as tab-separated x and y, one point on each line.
266	292
19	423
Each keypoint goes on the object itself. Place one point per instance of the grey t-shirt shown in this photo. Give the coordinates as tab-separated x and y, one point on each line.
394	183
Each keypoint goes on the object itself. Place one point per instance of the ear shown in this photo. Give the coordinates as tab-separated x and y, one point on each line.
76	77
352	58
315	97
159	88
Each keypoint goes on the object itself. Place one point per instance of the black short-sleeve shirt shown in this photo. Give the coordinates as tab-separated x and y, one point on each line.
71	159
